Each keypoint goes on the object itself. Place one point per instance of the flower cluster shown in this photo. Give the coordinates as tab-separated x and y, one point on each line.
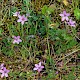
22	18
3	71
65	17
38	67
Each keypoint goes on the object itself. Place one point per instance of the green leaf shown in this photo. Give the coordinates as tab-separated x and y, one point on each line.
67	37
71	44
51	8
26	2
48	10
77	13
44	9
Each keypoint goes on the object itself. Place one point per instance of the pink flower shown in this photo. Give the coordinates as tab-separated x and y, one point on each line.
16	14
2	66
64	16
4	72
71	23
38	67
16	39
22	19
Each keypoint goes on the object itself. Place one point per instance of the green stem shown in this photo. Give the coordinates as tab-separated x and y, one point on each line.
22	31
74	34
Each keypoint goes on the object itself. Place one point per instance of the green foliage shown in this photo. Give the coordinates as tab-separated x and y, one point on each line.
44	9
1	31
40	40
48	10
42	30
26	2
6	48
71	76
50	76
17	75
77	13
63	41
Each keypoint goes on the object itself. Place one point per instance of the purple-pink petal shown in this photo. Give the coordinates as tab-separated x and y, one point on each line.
7	71
39	63
71	23
19	40
2	75
66	18
22	19
42	66
39	69
6	75
19	16
64	12
22	22
16	13
1	71
2	64
36	65
15	42
68	14
35	68
19	20
61	15
18	37
4	72
14	37
63	18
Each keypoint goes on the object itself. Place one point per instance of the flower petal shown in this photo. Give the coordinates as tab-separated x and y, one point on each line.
22	22
42	66
7	71
18	37
66	18
19	40
36	65
1	71
63	18
6	75
61	15
2	75
39	70
39	63
67	14
35	68
19	16
64	12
